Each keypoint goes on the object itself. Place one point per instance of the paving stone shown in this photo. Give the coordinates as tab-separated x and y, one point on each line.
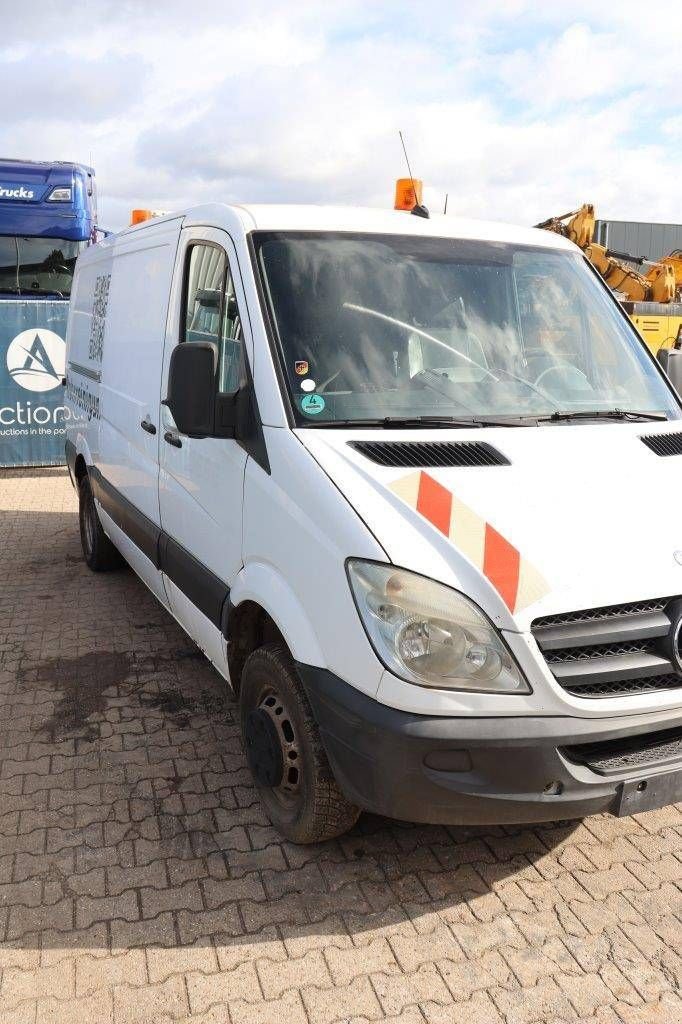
288	1008
355	1000
587	992
354	961
18	985
98	1007
163	963
151	875
207	990
397	990
540	1002
150	1002
480	1009
246	948
277	977
181	897
106	908
99	973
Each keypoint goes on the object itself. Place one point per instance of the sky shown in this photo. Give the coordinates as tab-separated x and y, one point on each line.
516	110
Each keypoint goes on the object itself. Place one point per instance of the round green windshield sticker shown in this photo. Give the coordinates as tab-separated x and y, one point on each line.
312	404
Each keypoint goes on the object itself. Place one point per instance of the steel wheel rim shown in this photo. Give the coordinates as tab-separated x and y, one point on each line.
287	792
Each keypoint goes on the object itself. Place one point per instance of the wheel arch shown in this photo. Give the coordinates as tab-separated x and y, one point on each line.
263	608
80	468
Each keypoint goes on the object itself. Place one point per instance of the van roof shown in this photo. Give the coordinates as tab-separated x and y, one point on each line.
290	217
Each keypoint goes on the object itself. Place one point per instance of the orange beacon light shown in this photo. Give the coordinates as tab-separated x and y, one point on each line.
408	194
139	216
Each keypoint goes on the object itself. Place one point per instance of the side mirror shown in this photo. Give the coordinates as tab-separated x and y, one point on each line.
198	409
671	361
192	380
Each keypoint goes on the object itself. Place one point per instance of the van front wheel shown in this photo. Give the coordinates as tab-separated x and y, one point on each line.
285	754
98	551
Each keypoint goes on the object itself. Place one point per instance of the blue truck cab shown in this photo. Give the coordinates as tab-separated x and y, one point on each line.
48	215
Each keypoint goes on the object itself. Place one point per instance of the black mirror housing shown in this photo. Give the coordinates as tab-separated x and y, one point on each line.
192	379
197	407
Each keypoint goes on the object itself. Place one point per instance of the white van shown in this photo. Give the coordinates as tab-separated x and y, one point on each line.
411	486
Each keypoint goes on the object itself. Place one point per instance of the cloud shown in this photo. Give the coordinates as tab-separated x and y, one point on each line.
55	86
517	110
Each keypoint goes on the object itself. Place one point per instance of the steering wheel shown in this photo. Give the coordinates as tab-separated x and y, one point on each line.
562	368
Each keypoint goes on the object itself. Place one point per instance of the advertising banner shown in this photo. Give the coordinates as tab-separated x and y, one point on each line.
32	355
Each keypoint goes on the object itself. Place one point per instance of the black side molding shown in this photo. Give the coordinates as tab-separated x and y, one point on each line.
144	533
197	583
201	586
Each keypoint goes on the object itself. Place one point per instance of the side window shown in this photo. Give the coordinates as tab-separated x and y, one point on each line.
211	312
231	341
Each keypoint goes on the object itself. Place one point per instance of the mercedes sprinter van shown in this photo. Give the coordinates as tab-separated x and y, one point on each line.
400	479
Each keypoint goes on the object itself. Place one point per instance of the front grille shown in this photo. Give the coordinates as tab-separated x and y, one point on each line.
664	444
418	454
612	651
610	611
566	654
652	684
645	751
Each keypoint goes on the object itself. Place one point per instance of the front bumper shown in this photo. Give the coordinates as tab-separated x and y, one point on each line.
445	770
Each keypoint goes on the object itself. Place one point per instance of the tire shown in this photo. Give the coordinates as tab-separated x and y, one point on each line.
284	751
99	553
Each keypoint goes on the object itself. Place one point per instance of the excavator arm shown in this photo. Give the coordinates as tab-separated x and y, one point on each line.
657	285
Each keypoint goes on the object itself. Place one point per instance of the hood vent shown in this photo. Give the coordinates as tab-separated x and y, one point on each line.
436	454
664	444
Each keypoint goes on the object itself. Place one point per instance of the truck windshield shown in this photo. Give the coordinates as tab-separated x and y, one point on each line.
37	266
378	328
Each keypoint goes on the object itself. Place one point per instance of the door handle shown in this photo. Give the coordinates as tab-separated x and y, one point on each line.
147	425
173	439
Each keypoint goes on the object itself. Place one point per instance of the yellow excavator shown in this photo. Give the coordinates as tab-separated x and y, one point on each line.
652	300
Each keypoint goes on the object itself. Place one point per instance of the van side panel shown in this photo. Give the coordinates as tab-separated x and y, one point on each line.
131	369
84	338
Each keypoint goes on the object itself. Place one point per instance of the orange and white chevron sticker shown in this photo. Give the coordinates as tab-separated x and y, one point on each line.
517	581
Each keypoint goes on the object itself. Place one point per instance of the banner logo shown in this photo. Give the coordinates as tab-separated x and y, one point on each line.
36	359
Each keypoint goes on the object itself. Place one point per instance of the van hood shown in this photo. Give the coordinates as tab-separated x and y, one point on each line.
580	516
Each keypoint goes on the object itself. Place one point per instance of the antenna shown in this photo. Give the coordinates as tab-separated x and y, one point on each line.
418	210
445	207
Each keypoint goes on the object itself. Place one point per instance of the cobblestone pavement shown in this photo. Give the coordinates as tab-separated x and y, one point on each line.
140	882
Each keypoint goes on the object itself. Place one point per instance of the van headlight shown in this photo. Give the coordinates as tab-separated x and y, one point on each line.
431	635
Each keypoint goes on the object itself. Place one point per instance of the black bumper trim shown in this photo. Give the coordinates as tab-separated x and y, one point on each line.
513	769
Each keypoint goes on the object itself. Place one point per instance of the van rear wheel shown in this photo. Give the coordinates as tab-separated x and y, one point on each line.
99	553
284	751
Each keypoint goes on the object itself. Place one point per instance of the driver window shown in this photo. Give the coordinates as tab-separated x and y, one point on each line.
211	311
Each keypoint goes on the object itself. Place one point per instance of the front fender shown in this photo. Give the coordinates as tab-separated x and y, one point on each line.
264	585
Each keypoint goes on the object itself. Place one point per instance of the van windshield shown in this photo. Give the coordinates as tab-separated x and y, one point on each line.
374	327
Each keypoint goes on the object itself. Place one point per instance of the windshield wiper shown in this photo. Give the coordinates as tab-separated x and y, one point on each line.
421	421
601	414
